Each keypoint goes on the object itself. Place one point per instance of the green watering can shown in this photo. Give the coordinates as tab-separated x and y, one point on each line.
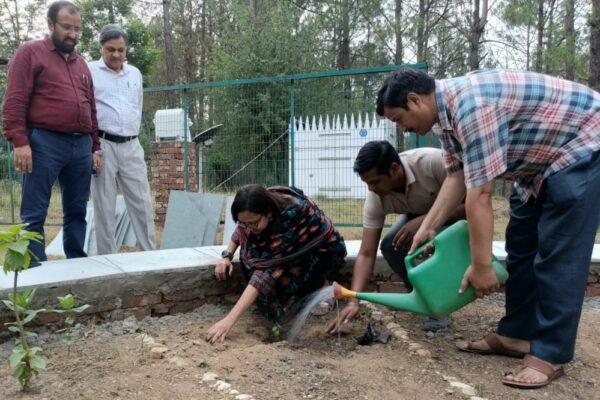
435	280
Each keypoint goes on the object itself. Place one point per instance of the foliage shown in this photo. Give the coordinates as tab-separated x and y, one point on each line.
95	14
25	359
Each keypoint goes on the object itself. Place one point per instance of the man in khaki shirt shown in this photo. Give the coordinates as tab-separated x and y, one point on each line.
406	184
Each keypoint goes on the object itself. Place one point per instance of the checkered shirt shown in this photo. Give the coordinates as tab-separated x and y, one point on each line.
520	126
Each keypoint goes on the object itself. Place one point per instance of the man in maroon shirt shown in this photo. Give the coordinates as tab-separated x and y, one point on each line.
50	118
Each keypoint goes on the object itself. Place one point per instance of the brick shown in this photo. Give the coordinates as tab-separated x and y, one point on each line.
186	306
388	287
139	312
160	310
142	300
592	291
184	295
48	318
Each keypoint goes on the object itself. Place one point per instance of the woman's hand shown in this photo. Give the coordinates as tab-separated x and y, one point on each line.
218	331
223	269
345	316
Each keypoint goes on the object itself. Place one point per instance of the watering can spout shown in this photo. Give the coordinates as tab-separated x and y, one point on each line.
400	301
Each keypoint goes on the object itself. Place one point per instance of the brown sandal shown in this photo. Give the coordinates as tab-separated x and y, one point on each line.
495	347
536	364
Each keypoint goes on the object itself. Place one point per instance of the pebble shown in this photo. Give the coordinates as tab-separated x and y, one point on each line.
158	352
209	376
221	386
243	397
466	389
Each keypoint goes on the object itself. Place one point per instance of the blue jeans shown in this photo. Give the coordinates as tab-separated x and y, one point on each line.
549	241
67	158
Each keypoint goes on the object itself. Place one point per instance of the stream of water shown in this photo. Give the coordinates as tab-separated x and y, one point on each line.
308	303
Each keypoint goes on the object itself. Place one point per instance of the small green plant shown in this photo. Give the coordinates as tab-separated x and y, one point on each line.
276	331
67	306
17	257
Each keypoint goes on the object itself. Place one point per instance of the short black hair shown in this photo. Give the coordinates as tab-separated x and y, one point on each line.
112	31
55	8
394	89
379	154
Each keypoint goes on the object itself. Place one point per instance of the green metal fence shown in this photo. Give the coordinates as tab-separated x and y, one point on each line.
301	130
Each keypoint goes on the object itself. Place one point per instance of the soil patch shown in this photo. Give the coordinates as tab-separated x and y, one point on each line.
114	361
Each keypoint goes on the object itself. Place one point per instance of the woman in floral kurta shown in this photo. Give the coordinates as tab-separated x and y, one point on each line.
288	247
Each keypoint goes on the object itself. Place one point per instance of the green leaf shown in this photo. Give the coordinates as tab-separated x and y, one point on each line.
17	356
20	372
20	246
31	314
13	260
31	334
37	363
67	302
14	329
81	308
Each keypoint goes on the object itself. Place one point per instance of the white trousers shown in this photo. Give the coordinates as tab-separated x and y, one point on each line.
123	163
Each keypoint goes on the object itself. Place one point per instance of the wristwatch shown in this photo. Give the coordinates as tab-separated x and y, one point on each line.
227	254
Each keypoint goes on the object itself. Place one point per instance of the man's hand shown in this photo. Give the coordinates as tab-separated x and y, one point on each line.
23	159
404	236
423	235
482	278
96	162
344	317
223	269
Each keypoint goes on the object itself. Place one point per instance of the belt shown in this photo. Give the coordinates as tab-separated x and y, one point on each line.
115	138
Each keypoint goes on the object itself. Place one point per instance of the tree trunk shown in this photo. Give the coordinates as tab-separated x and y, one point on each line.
477	28
398	31
570	39
539	52
594	80
169	55
421	46
343	56
252	4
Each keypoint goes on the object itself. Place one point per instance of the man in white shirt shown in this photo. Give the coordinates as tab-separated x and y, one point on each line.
406	184
119	96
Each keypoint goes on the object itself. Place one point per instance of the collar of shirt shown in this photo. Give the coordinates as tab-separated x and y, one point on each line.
443	116
123	71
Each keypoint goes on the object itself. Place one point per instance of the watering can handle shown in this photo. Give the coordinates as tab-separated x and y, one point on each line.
408	260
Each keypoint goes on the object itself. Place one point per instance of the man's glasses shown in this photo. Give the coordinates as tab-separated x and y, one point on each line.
69	28
250	225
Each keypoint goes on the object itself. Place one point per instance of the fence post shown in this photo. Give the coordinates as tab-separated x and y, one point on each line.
186	163
10	183
292	131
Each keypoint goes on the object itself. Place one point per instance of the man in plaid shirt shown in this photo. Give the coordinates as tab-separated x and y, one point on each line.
543	133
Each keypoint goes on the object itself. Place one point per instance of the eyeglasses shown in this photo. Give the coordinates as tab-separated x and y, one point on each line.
69	28
251	225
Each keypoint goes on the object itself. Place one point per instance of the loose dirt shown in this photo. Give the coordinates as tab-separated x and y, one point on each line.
115	361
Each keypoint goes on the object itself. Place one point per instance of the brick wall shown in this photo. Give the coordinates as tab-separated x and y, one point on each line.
167	293
167	170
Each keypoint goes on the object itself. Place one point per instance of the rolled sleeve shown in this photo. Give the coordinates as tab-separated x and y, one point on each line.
265	280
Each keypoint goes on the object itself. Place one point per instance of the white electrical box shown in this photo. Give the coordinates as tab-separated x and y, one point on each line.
169	125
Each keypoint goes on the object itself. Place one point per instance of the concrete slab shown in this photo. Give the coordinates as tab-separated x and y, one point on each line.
62	271
229	226
192	219
169	259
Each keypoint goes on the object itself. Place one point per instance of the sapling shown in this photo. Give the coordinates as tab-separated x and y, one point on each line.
67	306
25	360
